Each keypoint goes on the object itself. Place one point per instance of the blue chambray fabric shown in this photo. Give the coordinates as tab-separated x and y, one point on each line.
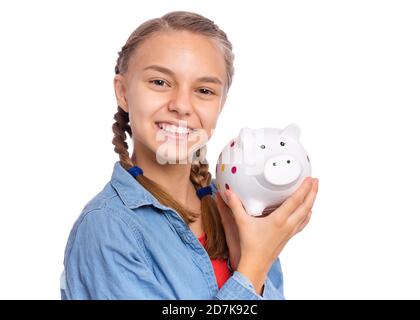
127	245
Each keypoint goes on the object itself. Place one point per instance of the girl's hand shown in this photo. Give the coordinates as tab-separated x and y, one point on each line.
231	231
262	239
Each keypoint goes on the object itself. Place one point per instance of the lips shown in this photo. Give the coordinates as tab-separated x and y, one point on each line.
174	131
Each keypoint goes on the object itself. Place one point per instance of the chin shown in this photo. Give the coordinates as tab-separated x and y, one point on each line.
170	156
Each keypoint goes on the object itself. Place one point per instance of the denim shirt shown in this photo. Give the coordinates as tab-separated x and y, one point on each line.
126	245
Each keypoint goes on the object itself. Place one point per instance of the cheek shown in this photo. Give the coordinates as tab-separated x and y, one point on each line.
141	115
142	98
142	105
139	127
209	120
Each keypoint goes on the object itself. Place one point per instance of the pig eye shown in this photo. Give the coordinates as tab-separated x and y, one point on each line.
262	146
282	144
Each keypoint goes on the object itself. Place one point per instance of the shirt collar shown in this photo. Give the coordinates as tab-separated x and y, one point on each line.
131	192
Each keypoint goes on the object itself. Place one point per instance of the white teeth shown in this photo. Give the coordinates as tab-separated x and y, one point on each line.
174	129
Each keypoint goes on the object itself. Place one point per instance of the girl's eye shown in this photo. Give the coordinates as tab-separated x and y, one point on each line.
206	91
158	82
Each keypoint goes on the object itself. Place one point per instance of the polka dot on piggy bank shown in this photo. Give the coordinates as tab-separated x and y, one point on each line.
285	164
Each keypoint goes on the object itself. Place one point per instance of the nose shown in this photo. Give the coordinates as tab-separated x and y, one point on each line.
181	102
282	170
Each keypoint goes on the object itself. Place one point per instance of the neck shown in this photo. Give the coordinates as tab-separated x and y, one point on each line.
174	178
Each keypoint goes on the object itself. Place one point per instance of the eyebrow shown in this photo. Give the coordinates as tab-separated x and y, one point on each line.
172	74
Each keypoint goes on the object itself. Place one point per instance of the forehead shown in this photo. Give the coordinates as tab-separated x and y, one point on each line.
183	52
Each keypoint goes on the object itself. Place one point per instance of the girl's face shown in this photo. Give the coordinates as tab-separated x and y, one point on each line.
176	78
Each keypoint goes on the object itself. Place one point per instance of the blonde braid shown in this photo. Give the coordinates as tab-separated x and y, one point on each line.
212	224
199	176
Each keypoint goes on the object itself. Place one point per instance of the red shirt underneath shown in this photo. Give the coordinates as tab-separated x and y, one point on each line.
220	266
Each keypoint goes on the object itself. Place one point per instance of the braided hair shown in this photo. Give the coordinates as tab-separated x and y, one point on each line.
200	176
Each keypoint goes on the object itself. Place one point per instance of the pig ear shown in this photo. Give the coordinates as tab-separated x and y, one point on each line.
292	130
244	134
246	142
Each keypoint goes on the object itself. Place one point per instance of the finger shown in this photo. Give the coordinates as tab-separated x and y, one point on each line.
300	213
304	223
220	202
224	211
295	200
235	205
222	207
226	216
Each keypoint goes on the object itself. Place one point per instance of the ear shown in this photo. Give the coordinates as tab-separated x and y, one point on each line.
246	142
120	91
246	136
292	130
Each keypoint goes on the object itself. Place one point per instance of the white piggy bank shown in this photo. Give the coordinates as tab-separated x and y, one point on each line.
263	167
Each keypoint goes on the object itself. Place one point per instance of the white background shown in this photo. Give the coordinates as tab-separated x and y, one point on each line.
348	72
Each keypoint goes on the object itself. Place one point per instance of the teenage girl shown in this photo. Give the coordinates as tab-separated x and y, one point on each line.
159	228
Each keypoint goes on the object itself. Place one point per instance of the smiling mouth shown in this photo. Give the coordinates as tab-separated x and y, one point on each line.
173	130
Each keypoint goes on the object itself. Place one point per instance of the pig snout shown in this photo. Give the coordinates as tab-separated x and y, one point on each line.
282	170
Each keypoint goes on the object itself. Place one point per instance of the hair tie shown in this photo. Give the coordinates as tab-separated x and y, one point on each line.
135	171
204	191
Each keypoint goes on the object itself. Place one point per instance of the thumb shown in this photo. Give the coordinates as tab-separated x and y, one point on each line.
222	206
235	205
224	211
